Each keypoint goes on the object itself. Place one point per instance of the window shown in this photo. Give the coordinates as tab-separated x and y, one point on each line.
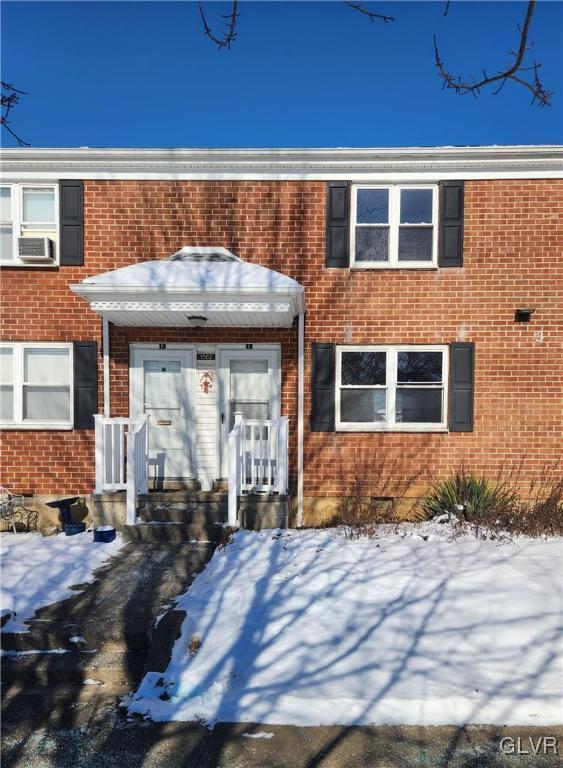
391	388
36	385
26	210
394	226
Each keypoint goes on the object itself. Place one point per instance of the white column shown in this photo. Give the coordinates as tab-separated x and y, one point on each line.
234	469
105	344
300	394
282	450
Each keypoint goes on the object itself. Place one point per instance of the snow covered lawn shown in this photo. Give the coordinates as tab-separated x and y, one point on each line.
312	628
38	570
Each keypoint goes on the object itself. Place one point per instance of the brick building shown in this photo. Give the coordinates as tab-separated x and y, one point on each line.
365	312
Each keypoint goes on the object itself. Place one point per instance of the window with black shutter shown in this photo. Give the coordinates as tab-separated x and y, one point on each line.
462	378
451	224
85	384
71	200
322	388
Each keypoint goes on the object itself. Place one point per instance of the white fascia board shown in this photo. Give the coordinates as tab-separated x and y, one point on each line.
191	306
410	163
163	298
393	175
163	294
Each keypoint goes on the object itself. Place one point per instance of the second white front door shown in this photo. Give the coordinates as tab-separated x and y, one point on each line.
249	383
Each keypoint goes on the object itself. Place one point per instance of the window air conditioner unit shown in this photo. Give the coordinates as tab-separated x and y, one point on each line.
35	248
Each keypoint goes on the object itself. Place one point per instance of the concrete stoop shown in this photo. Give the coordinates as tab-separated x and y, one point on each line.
177	516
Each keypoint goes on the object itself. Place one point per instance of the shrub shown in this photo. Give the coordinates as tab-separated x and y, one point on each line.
496	507
373	485
469	498
541	514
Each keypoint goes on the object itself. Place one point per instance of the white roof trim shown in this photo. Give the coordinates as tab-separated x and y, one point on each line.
165	293
370	164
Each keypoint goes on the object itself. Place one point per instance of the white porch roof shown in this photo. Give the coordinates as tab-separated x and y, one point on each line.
209	283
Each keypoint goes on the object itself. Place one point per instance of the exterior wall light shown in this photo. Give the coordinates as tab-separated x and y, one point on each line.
524	315
197	321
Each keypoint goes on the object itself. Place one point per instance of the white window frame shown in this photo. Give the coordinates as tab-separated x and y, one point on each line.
18	384
19	226
394	225
390	425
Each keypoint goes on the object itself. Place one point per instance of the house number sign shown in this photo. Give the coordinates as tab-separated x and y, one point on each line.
205	356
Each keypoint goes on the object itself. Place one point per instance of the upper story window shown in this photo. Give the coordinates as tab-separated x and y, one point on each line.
36	387
28	212
391	388
394	226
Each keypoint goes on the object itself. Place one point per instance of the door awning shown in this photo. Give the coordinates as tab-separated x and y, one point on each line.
208	287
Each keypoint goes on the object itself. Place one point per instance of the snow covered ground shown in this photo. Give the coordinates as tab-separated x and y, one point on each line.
313	628
37	570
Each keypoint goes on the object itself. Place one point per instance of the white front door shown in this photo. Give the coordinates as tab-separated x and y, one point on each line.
161	387
249	383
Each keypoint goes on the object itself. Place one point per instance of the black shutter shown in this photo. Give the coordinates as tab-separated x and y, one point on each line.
451	224
462	365
71	200
85	384
338	224
322	388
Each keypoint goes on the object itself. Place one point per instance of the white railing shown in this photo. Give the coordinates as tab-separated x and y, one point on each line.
137	465
122	458
258	459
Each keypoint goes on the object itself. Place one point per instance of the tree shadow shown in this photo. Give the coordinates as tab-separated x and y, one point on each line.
106	630
282	657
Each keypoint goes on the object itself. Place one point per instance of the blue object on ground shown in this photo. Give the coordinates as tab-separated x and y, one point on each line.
104	533
64	505
71	529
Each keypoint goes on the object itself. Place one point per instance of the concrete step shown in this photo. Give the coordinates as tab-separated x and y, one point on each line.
171	532
185	497
256	512
116	669
202	513
174	485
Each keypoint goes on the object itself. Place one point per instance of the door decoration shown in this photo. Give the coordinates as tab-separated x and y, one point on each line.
206	381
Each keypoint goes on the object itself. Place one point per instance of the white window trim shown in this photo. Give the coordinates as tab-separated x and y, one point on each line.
394	222
391	386
19	226
18	384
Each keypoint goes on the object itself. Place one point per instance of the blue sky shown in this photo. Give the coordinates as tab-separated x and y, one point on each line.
299	74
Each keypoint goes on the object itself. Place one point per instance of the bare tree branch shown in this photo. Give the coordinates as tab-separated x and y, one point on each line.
9	97
473	85
447	8
370	14
230	33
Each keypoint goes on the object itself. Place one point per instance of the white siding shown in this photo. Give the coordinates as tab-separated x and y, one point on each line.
206	416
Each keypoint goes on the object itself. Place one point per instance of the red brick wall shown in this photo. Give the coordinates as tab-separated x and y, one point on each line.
513	247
